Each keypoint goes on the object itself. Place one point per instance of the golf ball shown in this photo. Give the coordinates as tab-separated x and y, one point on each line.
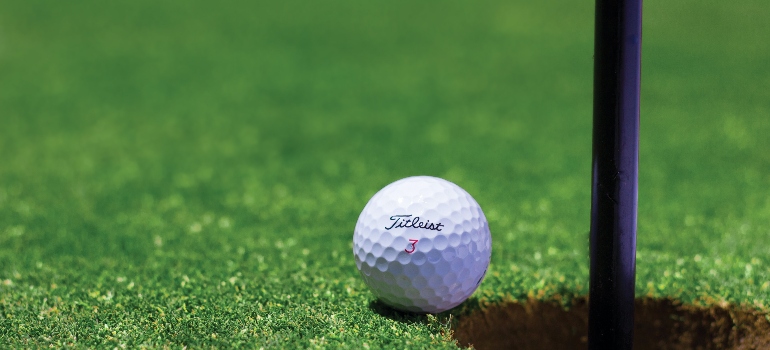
422	244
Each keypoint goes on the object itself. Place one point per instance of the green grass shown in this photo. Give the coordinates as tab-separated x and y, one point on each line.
188	174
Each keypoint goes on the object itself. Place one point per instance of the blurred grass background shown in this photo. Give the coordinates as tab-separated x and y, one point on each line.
189	173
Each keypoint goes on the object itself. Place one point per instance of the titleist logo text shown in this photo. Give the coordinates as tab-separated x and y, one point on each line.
406	221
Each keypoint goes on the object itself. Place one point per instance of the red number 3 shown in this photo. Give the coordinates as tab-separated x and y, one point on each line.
412	245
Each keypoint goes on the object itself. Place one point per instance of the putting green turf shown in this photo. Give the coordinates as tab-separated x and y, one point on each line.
190	174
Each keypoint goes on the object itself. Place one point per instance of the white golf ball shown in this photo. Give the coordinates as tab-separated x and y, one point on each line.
422	244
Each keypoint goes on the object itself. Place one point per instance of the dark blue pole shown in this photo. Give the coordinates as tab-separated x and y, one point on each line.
617	72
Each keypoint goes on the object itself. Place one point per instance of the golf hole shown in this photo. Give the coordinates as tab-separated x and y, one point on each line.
659	324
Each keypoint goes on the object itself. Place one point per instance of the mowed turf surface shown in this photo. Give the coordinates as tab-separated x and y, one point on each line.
190	174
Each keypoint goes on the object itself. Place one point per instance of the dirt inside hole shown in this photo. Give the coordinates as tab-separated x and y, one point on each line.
660	324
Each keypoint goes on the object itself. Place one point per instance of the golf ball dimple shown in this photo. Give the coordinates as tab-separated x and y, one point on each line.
422	244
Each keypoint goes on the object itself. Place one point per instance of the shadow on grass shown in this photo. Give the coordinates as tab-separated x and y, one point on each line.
384	310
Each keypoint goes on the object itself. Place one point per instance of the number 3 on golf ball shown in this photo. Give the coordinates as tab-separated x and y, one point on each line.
422	244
